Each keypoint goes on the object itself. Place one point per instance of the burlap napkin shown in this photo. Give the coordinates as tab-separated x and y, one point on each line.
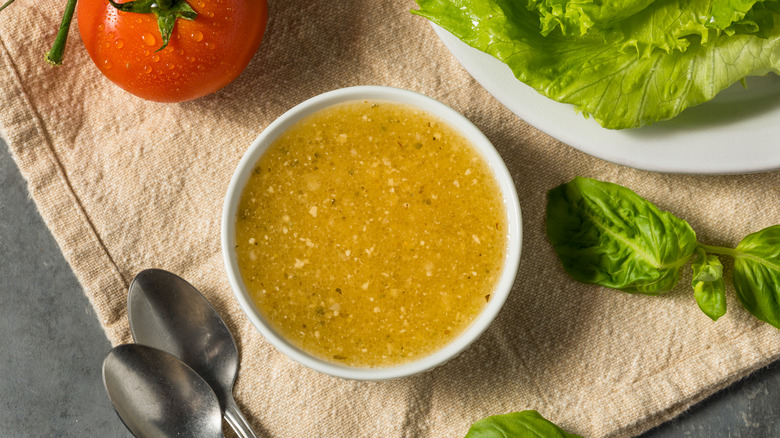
126	184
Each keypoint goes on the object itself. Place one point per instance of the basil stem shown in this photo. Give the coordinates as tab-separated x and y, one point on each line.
719	250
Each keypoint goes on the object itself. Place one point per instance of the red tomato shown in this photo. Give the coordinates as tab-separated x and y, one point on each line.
203	55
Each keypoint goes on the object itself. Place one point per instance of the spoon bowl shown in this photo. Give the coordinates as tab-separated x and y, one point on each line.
157	395
168	313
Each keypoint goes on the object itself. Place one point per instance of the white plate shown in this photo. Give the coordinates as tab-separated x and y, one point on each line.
737	132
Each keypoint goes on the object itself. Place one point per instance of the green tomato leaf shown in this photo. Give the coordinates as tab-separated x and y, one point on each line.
137	6
167	11
166	19
606	234
165	22
525	424
757	274
709	289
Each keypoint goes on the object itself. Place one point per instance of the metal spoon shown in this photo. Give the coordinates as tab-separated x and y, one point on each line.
168	313
157	395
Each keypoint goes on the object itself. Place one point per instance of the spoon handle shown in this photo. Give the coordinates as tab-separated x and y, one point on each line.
236	420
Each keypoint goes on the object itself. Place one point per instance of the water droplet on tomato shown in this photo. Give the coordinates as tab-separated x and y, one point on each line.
146	53
107	64
156	58
119	44
138	20
169	66
101	28
148	39
180	52
201	67
201	5
191	59
210	14
147	69
107	44
197	35
127	65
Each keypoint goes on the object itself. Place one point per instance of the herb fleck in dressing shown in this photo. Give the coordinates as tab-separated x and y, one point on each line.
371	234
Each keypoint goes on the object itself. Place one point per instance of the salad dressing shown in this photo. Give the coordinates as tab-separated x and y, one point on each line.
371	234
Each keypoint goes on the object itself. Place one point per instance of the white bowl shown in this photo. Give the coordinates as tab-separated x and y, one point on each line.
460	123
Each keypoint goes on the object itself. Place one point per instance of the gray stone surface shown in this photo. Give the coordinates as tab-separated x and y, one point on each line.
747	409
52	347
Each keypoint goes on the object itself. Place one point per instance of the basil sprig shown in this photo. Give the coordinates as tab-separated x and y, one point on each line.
608	235
525	424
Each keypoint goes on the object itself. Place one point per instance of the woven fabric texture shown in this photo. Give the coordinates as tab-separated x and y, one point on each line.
125	184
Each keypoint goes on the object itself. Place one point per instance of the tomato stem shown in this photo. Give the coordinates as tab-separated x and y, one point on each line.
54	56
6	4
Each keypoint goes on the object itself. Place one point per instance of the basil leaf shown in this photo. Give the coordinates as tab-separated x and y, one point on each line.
606	234
757	274
525	424
709	289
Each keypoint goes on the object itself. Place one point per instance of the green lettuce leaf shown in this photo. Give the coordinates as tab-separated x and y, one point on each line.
759	20
665	25
754	17
726	12
635	71
575	17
